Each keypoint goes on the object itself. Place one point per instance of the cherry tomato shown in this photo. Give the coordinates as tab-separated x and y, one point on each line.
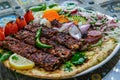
21	22
2	34
11	28
29	16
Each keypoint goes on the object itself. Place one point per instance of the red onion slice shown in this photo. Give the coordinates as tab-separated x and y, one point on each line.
64	27
84	28
75	32
94	33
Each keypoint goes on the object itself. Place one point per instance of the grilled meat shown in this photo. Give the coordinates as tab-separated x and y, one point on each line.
46	32
56	50
67	40
26	36
42	59
61	38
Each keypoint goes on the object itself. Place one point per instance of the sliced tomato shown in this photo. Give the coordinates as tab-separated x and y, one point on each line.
11	28
21	22
29	16
2	34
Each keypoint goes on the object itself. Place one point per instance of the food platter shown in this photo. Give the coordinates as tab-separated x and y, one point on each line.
88	70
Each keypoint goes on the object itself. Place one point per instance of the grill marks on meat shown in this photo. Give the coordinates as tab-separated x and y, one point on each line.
49	59
67	40
56	50
26	36
42	59
54	35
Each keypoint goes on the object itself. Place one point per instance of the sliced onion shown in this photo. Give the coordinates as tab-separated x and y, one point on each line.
84	28
45	22
85	14
36	20
75	32
103	28
114	24
94	33
64	27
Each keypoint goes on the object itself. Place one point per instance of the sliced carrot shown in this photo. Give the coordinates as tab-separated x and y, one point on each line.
63	19
75	22
51	15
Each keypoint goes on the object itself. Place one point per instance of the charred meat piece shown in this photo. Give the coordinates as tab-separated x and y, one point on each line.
56	50
47	32
93	36
67	40
32	27
56	23
26	36
42	59
61	38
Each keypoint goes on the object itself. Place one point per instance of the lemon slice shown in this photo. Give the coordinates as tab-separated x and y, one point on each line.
19	62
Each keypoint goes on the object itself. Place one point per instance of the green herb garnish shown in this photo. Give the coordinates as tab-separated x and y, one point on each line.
68	66
5	56
14	57
78	58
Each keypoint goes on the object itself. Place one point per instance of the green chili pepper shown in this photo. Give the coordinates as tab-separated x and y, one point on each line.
40	7
52	5
38	43
5	56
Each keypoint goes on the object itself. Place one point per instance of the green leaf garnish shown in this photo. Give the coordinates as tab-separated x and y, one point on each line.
67	66
78	58
15	58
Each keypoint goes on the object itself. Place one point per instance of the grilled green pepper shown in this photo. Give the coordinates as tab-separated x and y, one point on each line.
38	43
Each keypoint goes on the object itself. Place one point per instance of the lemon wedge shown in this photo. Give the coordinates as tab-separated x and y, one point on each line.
19	62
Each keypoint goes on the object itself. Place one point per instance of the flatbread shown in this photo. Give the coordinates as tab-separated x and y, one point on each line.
95	56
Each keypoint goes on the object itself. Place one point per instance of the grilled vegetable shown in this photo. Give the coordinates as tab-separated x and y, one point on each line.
2	34
29	16
11	28
38	43
21	22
